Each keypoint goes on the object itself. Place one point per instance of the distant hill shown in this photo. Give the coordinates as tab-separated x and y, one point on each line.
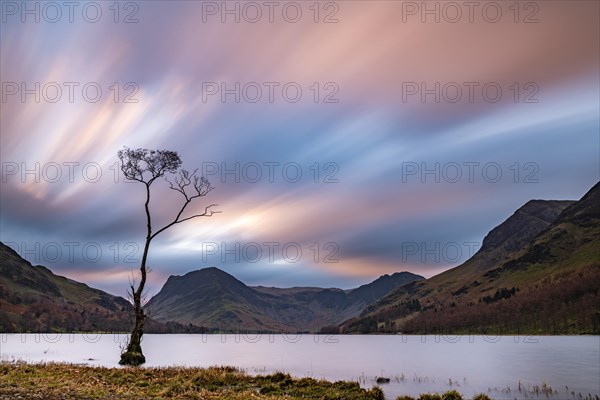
211	297
33	299
537	272
206	296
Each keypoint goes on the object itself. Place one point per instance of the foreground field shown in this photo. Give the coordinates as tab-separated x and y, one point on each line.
67	381
70	381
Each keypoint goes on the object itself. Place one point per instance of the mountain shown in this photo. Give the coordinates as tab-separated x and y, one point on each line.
537	272
520	228
206	296
212	298
32	298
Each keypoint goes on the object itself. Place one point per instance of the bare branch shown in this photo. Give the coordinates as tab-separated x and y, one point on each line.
200	184
131	292
207	213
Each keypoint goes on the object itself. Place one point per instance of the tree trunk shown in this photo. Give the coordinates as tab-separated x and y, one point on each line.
133	355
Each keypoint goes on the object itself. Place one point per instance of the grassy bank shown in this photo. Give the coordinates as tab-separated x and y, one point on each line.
68	381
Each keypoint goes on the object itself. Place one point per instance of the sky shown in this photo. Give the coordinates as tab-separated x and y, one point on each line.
345	140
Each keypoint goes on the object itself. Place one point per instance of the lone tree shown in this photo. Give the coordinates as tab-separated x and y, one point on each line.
146	166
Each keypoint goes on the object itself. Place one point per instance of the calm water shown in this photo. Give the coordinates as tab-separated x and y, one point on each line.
415	364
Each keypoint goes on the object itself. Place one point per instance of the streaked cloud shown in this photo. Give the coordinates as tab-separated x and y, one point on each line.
365	141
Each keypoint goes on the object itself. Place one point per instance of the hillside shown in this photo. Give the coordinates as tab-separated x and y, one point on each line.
537	272
32	298
211	297
520	228
208	295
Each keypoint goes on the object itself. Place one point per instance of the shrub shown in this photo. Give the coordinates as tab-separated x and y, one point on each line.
481	396
376	393
452	395
430	396
305	382
405	398
278	377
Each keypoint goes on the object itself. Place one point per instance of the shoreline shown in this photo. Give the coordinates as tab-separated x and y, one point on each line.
76	381
62	380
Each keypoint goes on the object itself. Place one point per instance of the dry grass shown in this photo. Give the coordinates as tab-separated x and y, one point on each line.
69	381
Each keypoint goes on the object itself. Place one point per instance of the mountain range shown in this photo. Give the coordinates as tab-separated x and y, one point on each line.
33	299
213	298
535	273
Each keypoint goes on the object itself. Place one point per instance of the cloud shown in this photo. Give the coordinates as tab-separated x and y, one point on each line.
356	188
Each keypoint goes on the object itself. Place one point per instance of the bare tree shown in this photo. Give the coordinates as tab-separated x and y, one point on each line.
146	166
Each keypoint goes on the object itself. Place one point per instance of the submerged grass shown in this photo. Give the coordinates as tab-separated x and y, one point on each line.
69	381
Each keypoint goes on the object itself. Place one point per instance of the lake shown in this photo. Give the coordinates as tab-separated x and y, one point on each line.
505	367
